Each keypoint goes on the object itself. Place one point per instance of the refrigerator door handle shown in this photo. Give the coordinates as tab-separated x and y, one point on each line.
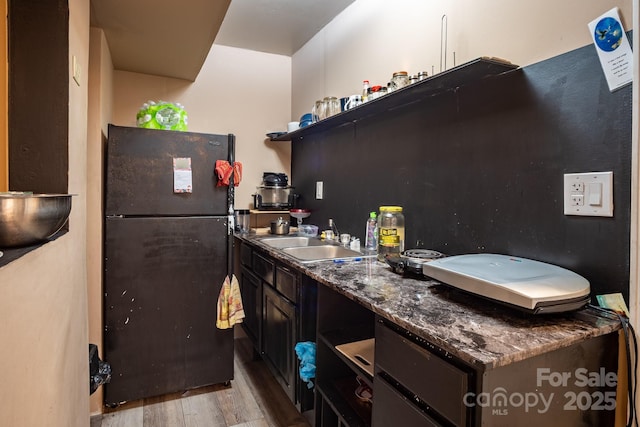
231	138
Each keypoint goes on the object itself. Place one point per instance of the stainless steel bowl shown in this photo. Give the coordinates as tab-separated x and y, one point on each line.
26	219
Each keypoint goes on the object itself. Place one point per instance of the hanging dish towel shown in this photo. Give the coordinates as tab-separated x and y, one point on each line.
230	310
224	170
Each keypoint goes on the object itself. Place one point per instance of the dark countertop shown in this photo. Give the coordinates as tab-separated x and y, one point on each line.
479	332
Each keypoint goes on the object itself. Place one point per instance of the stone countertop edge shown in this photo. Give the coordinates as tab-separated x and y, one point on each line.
482	333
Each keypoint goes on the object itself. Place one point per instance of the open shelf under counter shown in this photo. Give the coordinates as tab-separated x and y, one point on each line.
339	341
340	395
450	79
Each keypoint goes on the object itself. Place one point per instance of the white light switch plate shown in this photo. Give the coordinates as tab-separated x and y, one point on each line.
588	194
319	190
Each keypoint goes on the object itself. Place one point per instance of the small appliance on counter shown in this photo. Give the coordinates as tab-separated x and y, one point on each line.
410	261
242	217
274	193
533	286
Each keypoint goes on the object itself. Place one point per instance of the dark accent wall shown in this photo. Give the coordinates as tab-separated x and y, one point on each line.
480	168
38	95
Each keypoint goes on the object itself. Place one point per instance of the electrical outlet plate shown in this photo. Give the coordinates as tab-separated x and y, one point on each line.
588	194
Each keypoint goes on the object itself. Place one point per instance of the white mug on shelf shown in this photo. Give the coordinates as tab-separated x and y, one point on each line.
291	126
354	101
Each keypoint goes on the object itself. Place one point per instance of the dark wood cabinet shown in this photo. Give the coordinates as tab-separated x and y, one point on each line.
251	291
413	380
280	310
417	384
279	338
393	408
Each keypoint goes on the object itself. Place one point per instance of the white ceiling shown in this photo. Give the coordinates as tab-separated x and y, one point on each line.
172	39
276	26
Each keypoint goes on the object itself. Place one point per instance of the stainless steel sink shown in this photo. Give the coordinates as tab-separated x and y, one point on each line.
291	241
321	253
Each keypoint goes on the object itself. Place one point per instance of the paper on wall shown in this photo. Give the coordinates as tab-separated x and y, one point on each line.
614	50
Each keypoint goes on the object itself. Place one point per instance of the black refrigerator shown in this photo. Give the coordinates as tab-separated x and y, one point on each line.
167	246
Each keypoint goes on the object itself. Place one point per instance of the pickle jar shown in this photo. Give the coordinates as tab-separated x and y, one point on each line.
390	231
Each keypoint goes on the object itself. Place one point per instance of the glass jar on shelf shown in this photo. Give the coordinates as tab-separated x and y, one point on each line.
399	80
331	106
422	75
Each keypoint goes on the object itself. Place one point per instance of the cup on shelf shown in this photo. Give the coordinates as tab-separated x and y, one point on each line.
353	101
317	112
344	103
331	106
292	126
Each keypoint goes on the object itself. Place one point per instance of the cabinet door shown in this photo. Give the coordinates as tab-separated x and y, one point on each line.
279	335
251	290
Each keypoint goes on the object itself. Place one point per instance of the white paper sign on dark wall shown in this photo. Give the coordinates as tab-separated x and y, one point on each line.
614	50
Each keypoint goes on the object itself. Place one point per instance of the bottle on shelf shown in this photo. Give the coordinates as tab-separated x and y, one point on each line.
371	236
365	91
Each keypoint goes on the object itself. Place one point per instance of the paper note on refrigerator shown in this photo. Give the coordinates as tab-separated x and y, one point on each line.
182	182
614	50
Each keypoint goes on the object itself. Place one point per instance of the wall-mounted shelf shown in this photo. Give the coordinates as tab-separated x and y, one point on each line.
446	80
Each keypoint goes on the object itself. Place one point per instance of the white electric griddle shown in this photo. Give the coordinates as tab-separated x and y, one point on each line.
528	285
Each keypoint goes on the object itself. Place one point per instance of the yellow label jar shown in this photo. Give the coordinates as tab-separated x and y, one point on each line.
390	231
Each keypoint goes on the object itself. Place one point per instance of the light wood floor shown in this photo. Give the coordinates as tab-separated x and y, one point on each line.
254	399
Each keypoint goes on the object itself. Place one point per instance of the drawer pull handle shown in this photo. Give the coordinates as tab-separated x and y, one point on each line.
362	360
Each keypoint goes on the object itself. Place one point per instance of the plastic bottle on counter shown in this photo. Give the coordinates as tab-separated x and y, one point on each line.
390	231
371	235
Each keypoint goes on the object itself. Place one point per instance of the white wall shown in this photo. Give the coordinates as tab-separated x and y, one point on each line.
44	378
238	91
373	38
100	76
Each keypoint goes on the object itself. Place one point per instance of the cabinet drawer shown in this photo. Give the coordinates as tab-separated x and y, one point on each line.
245	255
287	283
439	384
393	409
263	267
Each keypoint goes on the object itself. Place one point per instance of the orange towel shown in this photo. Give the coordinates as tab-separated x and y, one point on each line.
224	170
230	310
